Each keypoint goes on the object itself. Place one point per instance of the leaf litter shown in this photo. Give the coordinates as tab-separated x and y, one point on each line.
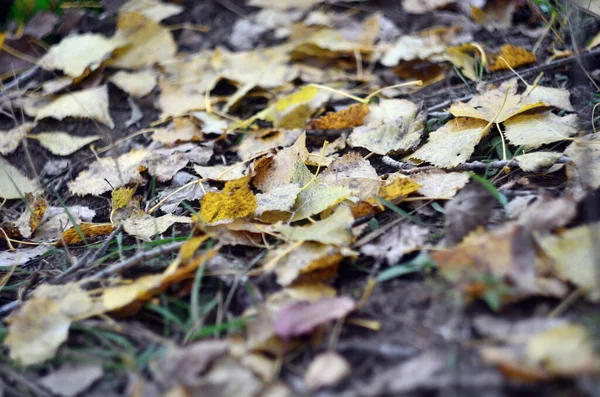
271	185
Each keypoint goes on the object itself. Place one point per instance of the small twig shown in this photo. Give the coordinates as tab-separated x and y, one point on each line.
89	257
134	260
20	80
475	165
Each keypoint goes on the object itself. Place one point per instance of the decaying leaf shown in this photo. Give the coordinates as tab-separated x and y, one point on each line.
72	236
138	84
10	140
513	57
29	220
278	201
392	125
585	156
262	141
146	226
467	57
396	242
234	201
535	161
13	184
181	130
61	143
354	172
326	369
21	256
353	116
453	143
222	172
304	259
56	221
396	187
411	47
332	230
535	130
87	104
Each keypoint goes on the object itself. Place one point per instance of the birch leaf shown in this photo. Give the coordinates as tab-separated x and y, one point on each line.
10	140
535	130
13	184
63	144
137	84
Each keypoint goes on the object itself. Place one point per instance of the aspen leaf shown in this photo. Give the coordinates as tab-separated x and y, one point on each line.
392	125
78	55
535	130
354	172
182	130
72	379
515	56
280	199
533	162
235	201
137	84
453	143
326	369
121	197
56	221
13	184
29	220
464	58
61	143
151	9
397	186
10	140
86	104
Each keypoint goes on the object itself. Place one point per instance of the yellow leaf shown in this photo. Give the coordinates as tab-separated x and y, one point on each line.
533	162
78	55
10	140
397	186
146	226
353	116
515	56
411	47
535	130
29	220
61	143
88	104
151	9
585	165
453	143
182	130
464	58
137	84
235	201
121	197
13	184
71	236
353	172
335	229
440	184
305	258
424	6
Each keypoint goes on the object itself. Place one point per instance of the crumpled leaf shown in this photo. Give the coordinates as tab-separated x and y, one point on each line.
10	140
565	350
573	256
166	162
353	116
336	229
439	184
137	84
78	55
236	200
151	9
488	106
56	220
515	56
61	143
453	143
72	379
146	226
87	104
150	42
585	156
13	184
396	242
535	130
301	318
391	125
29	220
326	369
532	162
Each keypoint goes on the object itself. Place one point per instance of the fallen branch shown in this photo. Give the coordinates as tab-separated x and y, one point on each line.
475	165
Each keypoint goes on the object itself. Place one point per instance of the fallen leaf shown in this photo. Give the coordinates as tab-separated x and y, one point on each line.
262	141
353	116
137	84
11	139
396	242
533	162
392	125
21	256
468	210
326	369
61	143
146	226
354	172
13	184
56	221
72	379
172	197
149	42
211	123
515	56
78	55
87	104
439	184
29	220
573	256
71	236
288	4
453	143
336	229
467	58
236	200
424	6
535	130
585	157
397	186
301	318
222	172
164	163
304	259
121	197
151	9
277	203
181	130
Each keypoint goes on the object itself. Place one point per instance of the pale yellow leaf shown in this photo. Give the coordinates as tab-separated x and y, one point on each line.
146	226
86	104
137	84
61	143
535	130
211	123
255	143
151	9
439	184
13	184
222	172
10	140
306	258
354	172
181	130
532	162
326	369
411	47
453	143
80	54
585	156
279	199
424	6
336	229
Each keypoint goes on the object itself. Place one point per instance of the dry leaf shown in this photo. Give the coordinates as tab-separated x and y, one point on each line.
137	84
79	55
21	256
279	201
56	221
304	259
146	226
353	116
235	201
71	236
13	184
262	141
72	379
392	125
29	220
150	42
10	140
515	56
411	47
424	6
61	143
222	172
535	130
354	172
182	130
465	58
397	186
439	184
336	229
585	157
151	9
326	369
396	242
533	162
86	104
453	143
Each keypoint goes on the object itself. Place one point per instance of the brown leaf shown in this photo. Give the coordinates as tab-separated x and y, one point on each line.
353	116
